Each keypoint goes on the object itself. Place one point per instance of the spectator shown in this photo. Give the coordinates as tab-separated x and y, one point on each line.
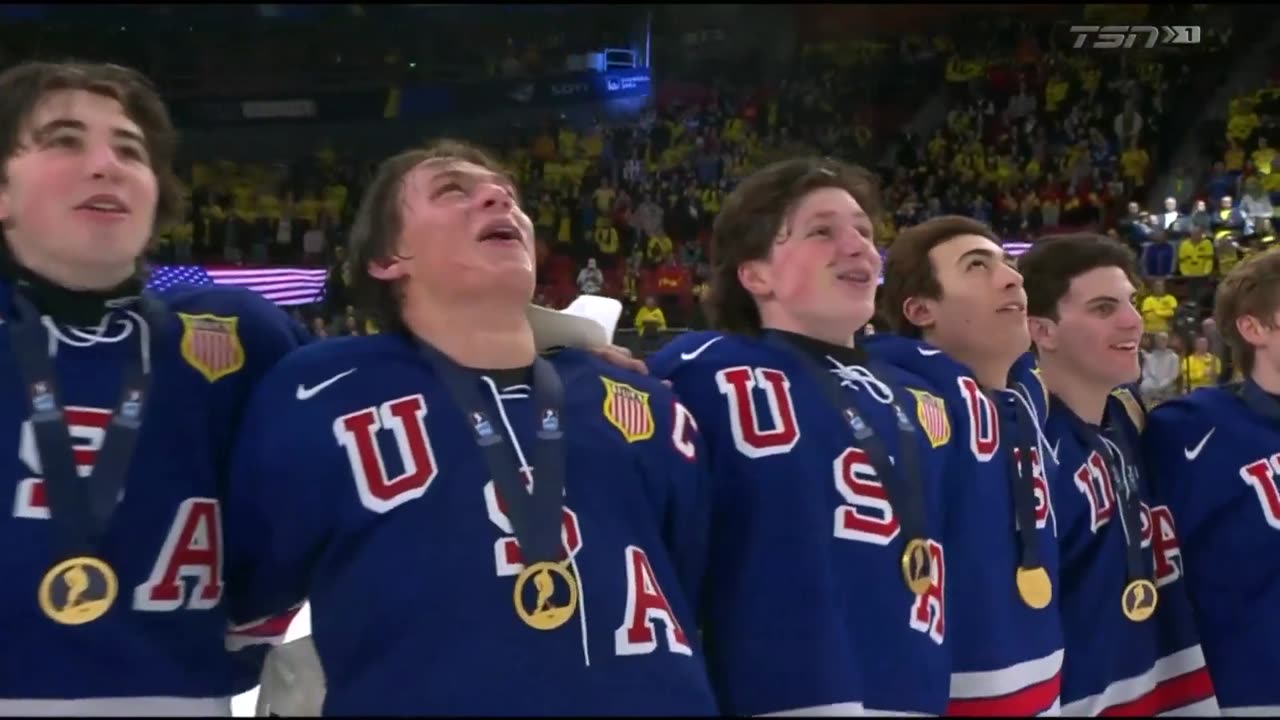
1128	124
1158	308
1217	347
590	279
319	328
1178	186
1169	218
1228	220
1201	368
1256	204
1196	254
659	248
650	319
351	325
1160	371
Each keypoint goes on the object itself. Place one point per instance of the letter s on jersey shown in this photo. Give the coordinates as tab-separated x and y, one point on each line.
193	544
357	433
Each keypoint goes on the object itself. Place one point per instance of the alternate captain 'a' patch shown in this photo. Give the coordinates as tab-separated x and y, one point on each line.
931	411
211	344
627	409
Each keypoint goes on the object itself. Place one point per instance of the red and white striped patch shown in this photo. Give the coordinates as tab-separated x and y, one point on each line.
627	409
1176	684
1027	689
211	345
931	411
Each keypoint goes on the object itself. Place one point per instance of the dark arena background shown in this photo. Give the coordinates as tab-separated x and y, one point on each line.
627	125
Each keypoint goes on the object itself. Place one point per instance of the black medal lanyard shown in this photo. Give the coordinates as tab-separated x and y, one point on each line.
905	488
535	516
81	508
1015	423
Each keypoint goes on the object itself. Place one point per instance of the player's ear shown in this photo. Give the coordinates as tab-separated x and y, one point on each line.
1251	329
388	268
754	277
1043	333
919	311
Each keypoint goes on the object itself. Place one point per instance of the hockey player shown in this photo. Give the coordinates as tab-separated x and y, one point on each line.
116	412
947	283
1131	644
479	529
1216	453
826	585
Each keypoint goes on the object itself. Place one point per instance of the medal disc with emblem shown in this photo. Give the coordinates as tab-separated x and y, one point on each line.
78	591
917	568
1035	587
1139	600
546	595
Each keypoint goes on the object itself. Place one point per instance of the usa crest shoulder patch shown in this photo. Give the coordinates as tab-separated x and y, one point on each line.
211	344
627	409
931	411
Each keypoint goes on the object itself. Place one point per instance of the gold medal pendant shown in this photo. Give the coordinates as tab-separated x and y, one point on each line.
1139	600
1035	587
78	591
917	567
546	615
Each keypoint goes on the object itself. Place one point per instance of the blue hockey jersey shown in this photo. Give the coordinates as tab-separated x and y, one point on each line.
1216	454
1115	665
161	646
806	605
358	484
1006	655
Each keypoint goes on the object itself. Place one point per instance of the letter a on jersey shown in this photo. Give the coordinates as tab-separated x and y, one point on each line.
931	411
627	409
211	345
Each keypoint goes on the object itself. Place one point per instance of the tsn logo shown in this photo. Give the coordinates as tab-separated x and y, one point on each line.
405	419
192	546
763	423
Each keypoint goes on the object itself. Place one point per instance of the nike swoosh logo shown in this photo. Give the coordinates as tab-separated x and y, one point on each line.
699	351
927	352
1193	452
306	393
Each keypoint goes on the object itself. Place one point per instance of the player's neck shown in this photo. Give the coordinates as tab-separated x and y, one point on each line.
840	335
1266	377
77	278
1086	399
475	335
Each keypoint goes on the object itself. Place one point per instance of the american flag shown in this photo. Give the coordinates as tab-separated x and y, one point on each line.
280	285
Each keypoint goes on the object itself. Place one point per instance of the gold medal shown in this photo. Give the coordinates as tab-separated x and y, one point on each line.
546	615
1139	600
917	568
77	591
1034	587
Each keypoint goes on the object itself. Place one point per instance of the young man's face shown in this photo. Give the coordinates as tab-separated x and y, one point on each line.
80	191
462	231
823	270
1098	329
982	311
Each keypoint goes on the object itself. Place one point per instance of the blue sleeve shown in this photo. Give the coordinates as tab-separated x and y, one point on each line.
774	629
277	512
680	469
